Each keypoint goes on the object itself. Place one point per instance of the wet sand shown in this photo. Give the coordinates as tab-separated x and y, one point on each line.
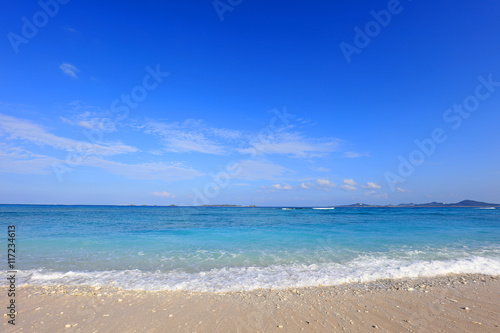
452	303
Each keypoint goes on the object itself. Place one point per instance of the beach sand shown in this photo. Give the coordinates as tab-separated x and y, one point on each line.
452	303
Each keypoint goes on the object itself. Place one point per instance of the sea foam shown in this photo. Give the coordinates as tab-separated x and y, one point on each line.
275	276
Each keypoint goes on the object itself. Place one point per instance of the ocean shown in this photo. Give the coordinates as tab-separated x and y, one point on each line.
231	249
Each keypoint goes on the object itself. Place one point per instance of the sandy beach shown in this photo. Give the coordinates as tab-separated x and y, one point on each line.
452	303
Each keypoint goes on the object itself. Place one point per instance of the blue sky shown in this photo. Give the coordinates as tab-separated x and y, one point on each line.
249	102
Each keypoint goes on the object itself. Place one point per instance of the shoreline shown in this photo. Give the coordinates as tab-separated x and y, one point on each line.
453	303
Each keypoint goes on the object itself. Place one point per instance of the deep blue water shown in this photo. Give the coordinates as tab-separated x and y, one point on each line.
216	249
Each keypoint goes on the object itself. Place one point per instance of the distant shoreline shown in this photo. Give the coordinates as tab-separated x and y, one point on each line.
461	204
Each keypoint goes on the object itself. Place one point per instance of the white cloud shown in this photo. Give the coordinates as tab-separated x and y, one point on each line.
159	171
25	130
193	142
350	182
399	189
257	170
224	133
325	183
69	69
370	185
284	186
164	194
320	169
306	185
348	188
192	136
292	144
352	154
85	124
95	120
20	161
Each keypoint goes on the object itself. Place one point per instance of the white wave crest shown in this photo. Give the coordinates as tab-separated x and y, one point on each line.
275	276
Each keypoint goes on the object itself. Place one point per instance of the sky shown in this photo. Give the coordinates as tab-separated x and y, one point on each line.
249	102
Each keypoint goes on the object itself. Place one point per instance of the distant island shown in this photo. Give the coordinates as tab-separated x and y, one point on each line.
463	203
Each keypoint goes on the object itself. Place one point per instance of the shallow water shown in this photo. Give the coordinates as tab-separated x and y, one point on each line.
221	249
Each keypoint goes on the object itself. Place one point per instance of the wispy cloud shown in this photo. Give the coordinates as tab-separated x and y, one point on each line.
352	154
292	144
399	189
69	69
258	170
320	169
179	137
224	133
348	188
26	130
349	185
284	186
370	185
95	120
192	136
195	136
21	161
155	171
350	182
164	194
325	183
321	184
306	185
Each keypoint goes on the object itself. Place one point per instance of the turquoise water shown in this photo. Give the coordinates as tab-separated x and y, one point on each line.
221	249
